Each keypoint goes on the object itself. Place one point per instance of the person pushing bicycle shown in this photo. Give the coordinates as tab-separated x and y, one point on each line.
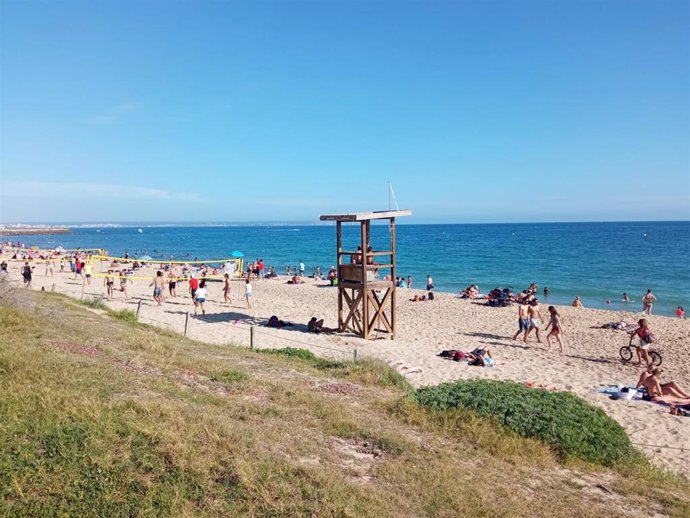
641	338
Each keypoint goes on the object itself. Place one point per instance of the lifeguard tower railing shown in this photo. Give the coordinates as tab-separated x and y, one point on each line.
366	277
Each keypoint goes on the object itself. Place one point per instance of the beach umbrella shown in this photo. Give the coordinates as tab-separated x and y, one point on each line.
145	258
237	253
60	249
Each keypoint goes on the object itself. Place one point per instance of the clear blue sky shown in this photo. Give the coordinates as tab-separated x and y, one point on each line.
233	111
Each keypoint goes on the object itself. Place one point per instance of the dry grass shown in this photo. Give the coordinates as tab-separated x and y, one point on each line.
100	416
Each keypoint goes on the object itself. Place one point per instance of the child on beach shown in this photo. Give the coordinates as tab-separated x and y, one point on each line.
248	292
200	298
556	329
680	312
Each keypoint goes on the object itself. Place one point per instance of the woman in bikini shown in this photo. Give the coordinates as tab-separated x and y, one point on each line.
556	329
657	394
227	297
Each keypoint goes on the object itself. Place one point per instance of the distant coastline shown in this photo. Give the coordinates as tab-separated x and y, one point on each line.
30	230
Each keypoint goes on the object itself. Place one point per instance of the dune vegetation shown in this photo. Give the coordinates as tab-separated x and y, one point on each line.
103	416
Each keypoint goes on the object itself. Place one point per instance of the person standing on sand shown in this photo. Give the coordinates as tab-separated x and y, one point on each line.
409	281
200	298
158	284
556	329
301	268
193	286
643	336
523	319
172	283
534	319
248	292
49	267
647	302
227	296
429	283
108	282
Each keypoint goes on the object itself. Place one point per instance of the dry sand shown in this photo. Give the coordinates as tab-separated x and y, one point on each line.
590	359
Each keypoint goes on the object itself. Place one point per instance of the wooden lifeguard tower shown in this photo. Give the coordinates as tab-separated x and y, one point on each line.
366	291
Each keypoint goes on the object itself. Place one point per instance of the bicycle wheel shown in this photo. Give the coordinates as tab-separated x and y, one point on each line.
626	353
656	358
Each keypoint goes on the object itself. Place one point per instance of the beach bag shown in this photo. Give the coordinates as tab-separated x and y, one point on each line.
649	338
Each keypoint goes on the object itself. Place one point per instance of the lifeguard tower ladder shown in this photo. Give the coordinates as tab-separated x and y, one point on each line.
366	293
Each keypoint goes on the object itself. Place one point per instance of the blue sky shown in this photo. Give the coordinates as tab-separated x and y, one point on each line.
252	111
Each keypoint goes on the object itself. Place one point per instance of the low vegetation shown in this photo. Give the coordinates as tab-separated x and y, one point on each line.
99	417
572	427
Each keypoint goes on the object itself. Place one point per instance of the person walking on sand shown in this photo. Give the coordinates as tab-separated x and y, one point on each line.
123	283
647	302
556	329
227	295
49	267
429	283
248	292
26	274
523	319
534	319
158	284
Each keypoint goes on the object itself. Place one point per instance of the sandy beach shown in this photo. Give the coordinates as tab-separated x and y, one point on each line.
590	359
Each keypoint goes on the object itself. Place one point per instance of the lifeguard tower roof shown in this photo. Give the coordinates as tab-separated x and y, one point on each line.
365	216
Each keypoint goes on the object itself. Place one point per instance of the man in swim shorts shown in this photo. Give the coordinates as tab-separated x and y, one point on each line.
523	319
158	284
534	319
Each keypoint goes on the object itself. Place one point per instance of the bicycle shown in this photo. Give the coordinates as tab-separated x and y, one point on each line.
626	353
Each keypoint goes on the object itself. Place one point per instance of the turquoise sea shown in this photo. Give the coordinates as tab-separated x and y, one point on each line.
598	261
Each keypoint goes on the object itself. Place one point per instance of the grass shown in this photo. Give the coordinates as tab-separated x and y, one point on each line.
102	418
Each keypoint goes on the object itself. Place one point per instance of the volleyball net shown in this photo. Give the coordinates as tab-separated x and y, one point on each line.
210	269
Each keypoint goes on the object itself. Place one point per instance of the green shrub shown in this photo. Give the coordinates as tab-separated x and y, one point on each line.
307	356
230	376
126	315
572	427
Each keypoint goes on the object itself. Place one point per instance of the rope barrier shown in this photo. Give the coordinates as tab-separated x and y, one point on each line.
681	448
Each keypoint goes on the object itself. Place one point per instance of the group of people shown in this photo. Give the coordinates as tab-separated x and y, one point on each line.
529	319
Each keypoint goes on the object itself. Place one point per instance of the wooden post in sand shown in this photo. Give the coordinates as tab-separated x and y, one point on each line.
354	355
83	284
53	288
138	308
186	322
251	337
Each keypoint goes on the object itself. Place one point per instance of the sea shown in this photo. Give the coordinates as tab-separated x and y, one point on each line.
597	261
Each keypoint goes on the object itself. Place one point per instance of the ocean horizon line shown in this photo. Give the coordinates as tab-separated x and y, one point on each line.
210	224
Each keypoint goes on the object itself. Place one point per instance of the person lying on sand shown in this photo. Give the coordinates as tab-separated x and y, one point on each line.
480	358
418	298
667	389
274	321
657	394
